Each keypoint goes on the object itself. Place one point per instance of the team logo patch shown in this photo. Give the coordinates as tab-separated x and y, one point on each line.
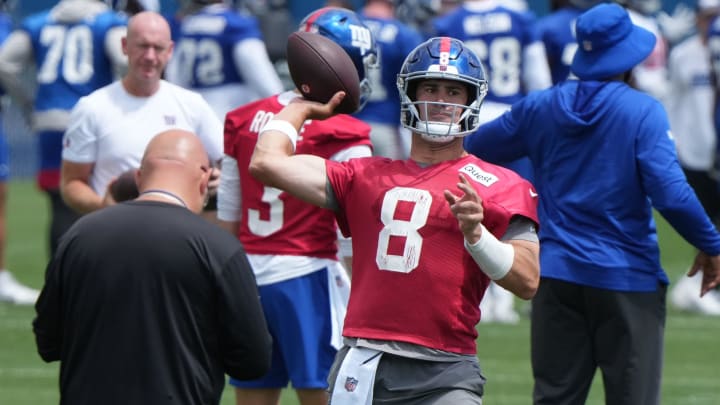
350	384
169	119
339	281
479	175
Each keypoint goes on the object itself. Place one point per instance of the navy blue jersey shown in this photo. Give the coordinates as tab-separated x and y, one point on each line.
205	44
499	36
395	41
557	32
70	57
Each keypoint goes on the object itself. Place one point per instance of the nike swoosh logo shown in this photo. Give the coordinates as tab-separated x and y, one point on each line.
533	194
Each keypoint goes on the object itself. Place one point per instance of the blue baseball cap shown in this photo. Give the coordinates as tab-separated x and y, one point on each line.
608	43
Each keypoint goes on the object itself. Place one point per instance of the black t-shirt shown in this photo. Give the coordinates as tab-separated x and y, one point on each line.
148	303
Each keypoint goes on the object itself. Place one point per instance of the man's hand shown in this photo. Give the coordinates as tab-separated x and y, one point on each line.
710	268
468	210
310	110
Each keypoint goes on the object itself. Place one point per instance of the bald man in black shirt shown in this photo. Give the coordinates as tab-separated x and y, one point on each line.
145	302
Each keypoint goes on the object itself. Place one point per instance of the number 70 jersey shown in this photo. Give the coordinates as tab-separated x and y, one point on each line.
71	57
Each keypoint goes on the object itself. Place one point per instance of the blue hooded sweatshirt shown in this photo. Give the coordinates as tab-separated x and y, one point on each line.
603	156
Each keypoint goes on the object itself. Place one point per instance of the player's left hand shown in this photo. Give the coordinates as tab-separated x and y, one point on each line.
710	268
467	208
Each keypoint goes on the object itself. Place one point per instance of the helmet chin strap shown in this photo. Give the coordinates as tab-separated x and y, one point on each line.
440	132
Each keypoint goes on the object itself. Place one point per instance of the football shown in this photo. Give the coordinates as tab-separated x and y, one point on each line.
124	188
320	68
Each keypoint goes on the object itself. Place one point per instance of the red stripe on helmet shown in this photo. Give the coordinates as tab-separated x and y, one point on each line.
310	21
444	48
445	44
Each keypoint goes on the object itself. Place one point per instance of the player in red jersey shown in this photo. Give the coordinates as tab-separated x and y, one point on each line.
292	245
429	233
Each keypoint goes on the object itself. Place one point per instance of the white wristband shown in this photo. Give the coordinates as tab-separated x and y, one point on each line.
282	126
495	258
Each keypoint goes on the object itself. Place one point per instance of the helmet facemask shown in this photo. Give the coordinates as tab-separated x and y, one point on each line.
455	63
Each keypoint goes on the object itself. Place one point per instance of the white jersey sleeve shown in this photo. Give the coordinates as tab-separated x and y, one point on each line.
253	64
536	72
208	126
15	55
229	193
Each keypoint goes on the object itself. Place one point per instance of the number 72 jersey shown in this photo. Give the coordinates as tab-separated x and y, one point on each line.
70	57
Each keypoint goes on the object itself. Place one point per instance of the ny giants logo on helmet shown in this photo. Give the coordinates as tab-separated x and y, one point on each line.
361	38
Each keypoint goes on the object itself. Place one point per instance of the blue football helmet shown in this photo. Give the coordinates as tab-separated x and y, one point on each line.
346	29
448	59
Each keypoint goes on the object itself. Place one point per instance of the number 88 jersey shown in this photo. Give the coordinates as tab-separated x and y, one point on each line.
507	44
70	56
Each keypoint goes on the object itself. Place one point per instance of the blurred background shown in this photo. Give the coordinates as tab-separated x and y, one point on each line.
22	149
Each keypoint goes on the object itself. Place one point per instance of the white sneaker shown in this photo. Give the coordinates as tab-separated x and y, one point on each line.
497	306
686	296
14	292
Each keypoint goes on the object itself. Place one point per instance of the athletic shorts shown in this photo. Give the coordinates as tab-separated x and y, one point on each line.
408	381
299	318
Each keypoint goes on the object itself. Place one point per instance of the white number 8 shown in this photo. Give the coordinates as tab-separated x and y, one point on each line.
401	228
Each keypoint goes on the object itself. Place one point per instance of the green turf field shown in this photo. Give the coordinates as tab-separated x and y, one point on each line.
692	361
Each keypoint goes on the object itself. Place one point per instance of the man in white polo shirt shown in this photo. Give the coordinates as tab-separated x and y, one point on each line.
110	128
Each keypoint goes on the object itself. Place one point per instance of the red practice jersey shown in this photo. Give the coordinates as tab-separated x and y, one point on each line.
274	222
412	279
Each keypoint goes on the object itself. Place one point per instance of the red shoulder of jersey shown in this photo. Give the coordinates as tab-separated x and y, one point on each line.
327	137
247	120
322	138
